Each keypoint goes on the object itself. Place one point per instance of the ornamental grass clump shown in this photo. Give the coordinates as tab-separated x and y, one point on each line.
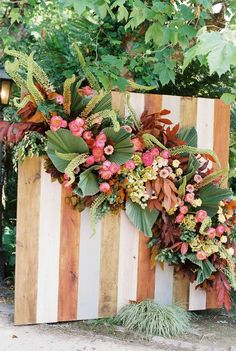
152	319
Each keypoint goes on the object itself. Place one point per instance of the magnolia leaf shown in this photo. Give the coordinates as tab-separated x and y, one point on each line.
211	195
63	142
182	187
123	147
88	183
228	98
189	135
193	165
143	219
206	268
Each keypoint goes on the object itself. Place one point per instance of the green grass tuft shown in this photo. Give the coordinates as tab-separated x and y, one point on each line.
152	319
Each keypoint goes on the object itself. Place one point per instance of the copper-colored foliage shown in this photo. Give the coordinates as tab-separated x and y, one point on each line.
153	123
165	193
14	132
223	290
27	111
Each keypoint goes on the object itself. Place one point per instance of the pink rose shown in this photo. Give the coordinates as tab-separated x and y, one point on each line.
104	187
200	216
147	158
164	173
106	164
90	160
189	197
99	143
137	144
76	127
57	122
211	233
130	165
190	188
155	152
201	255
114	168
179	218
183	210
60	99
101	137
87	90
165	154
197	178
220	229
105	174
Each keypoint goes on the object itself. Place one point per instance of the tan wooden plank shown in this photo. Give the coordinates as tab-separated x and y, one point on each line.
188	112
146	275
152	103
69	260
118	102
181	289
28	205
109	265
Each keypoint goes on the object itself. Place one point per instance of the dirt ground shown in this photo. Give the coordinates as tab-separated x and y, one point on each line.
209	332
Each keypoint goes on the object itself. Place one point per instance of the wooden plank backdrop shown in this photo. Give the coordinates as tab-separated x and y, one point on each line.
63	273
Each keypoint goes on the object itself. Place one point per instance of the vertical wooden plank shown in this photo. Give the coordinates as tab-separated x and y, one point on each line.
152	103
164	279
181	289
146	275
188	112
221	131
109	265
172	103
89	268
118	102
128	262
205	122
69	257
48	251
137	103
197	298
28	209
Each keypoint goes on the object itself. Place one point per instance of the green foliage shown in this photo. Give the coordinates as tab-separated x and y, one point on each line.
88	182
189	135
211	195
9	246
206	268
62	141
143	219
152	319
32	144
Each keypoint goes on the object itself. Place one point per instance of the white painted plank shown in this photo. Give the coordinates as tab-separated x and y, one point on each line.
128	262
164	284
205	123
172	103
137	103
49	248
89	268
197	298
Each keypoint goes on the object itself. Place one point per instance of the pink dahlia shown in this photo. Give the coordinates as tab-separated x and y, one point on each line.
165	154
130	165
220	229
90	160
155	152
104	187
147	158
57	122
200	216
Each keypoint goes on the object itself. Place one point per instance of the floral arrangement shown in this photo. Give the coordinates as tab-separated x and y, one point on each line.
147	167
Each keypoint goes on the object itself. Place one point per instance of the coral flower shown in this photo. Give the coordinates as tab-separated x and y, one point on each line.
90	160
183	210
88	135
104	187
211	233
137	144
130	165
220	229
200	216
155	152
106	164
147	158
57	122
179	218
87	90
98	154
201	255
101	137
76	127
99	143
114	168
60	99
108	150
105	174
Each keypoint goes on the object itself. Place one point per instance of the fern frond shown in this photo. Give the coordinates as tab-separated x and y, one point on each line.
151	141
137	86
12	68
106	114
67	93
75	162
91	104
230	269
193	150
93	210
211	177
38	97
88	74
132	112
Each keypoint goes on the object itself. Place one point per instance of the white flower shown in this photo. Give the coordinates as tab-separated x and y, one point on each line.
223	239
230	251
179	171
175	163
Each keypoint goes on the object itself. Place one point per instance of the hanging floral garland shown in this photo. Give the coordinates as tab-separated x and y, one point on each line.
148	168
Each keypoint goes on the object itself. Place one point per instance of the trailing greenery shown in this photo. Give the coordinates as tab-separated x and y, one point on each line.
152	319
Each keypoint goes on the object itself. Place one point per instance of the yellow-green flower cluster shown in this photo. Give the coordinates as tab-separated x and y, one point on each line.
189	222
208	246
